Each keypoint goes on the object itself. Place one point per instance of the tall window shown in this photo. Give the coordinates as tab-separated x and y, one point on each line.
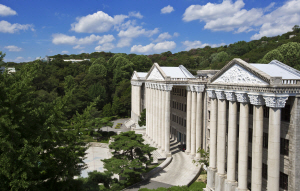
250	135
283	182
265	171
285	113
251	109
265	140
284	146
266	111
249	163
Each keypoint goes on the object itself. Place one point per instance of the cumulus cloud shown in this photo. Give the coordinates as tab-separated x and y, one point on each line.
97	23
72	40
135	31
230	16
6	27
105	47
106	39
78	47
167	9
123	42
19	59
13	48
127	35
165	36
136	14
64	52
158	48
198	44
6	11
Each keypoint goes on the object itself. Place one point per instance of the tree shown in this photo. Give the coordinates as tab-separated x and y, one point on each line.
142	121
130	156
36	153
100	61
98	70
296	28
204	160
2	55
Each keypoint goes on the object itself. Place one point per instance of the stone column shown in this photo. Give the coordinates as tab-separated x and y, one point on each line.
188	120
152	113
257	141
147	109
167	118
193	123
275	103
199	120
212	169
159	126
230	183
163	116
221	141
156	116
243	141
139	100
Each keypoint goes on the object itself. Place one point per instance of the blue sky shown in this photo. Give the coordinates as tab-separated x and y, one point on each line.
34	28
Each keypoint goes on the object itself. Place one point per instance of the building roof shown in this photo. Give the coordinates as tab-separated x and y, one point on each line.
177	72
278	69
142	74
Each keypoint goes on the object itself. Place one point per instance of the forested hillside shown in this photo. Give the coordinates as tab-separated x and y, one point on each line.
107	75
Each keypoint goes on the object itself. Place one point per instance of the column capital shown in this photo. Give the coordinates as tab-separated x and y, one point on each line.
136	83
256	99
167	87
220	94
230	96
275	101
211	93
242	97
196	88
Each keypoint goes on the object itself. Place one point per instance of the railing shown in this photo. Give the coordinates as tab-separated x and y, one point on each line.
290	82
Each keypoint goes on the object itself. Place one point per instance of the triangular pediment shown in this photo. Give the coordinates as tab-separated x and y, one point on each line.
134	76
155	73
240	72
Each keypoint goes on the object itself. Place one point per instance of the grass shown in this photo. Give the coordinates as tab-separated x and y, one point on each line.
197	186
151	167
118	126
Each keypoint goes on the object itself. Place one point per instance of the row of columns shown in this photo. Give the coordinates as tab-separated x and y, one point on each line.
194	119
136	97
158	115
217	178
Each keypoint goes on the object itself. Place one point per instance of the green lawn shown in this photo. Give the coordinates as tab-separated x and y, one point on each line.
197	186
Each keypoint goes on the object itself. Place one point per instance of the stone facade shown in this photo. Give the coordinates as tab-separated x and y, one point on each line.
246	118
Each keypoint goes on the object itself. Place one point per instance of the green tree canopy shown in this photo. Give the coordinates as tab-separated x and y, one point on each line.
130	156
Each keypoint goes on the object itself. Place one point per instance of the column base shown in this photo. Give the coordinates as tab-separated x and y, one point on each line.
220	182
168	154
230	185
208	189
211	174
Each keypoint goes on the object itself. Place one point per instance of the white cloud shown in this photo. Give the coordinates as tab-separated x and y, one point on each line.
106	39
136	14
167	9
13	48
6	11
81	51
158	48
162	37
72	40
7	27
19	59
64	52
126	36
133	32
229	16
198	44
97	23
105	47
78	47
176	34
123	42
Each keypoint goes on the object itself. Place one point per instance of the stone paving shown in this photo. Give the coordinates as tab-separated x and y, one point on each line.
181	171
93	159
122	129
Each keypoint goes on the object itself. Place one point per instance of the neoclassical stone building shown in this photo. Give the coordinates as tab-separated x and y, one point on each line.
246	115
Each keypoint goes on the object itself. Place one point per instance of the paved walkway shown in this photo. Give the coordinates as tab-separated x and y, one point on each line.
94	155
115	122
181	171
